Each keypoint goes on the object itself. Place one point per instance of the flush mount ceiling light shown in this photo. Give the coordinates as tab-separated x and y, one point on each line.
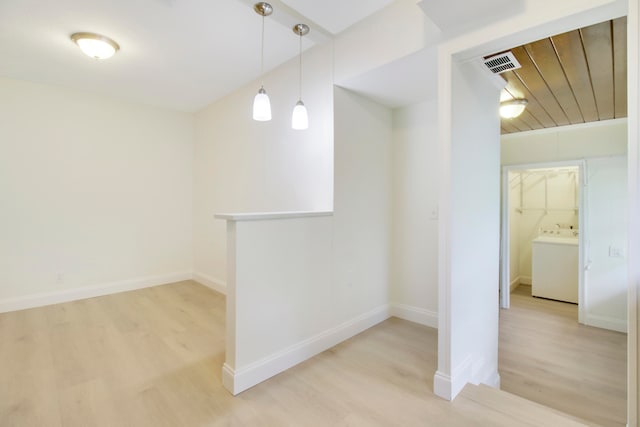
261	103
95	45
300	118
512	108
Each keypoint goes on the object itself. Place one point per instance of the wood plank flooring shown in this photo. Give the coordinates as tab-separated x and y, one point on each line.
153	357
523	411
546	356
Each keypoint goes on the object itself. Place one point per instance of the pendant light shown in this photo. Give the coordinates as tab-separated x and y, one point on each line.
300	118
261	103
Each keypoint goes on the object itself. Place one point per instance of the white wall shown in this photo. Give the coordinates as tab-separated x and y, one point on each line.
362	208
597	139
96	195
606	281
514	230
469	235
414	253
246	166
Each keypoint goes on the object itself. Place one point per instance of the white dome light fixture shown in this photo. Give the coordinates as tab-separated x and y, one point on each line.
261	103
300	118
512	108
95	45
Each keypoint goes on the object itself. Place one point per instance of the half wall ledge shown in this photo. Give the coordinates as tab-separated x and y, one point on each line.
259	216
280	301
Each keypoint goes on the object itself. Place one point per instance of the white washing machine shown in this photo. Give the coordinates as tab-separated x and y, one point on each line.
554	268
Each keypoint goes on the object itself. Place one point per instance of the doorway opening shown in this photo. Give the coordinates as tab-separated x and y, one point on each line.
563	227
543	231
459	355
549	211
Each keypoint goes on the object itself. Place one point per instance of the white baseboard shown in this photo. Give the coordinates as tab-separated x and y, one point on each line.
442	385
606	322
525	280
56	297
493	380
241	378
514	284
210	282
414	314
469	371
448	386
485	373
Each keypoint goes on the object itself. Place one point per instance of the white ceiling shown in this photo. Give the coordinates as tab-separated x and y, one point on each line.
186	54
337	15
178	54
455	16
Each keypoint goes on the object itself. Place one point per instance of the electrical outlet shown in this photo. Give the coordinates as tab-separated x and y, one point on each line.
60	278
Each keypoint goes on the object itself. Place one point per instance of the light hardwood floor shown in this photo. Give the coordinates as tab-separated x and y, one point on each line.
547	357
153	358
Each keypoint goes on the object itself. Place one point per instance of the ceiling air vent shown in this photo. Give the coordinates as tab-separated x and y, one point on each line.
502	62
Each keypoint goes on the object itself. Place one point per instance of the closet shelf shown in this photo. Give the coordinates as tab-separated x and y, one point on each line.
521	210
546	209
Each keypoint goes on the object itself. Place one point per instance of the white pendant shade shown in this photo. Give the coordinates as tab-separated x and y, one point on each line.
261	103
513	108
299	118
261	106
95	45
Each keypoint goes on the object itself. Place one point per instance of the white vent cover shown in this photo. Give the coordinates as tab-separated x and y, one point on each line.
502	62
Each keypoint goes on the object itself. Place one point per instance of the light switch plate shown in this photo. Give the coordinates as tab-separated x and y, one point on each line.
433	212
616	252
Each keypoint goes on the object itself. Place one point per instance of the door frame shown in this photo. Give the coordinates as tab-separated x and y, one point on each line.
505	245
500	36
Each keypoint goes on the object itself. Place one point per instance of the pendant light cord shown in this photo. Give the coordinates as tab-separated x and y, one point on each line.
300	70
262	56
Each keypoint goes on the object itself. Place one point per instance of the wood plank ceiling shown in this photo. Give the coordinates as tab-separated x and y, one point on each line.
575	77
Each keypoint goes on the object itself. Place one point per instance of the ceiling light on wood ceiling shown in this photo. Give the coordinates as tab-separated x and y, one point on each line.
512	108
95	45
261	103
